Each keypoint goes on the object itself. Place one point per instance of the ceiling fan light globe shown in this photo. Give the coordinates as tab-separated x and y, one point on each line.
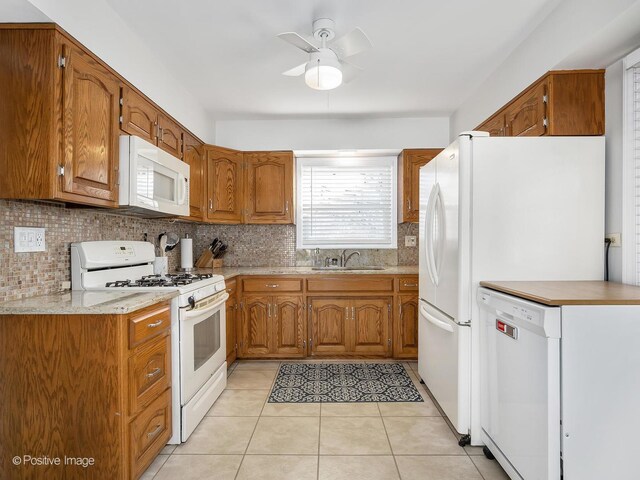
323	77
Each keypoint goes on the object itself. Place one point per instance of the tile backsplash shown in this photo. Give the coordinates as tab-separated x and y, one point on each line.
28	274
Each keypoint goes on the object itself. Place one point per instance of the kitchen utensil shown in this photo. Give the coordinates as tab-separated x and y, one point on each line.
162	241
221	251
172	240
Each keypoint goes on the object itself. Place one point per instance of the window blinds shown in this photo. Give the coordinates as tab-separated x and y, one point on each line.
635	152
347	203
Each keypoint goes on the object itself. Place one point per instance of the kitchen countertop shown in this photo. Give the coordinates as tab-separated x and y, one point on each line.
230	272
123	302
570	293
85	302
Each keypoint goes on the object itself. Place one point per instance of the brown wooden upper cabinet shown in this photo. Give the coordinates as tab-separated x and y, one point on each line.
567	102
249	187
141	118
59	119
409	163
225	199
269	183
194	156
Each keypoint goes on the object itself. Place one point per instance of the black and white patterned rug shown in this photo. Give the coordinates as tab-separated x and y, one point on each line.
343	382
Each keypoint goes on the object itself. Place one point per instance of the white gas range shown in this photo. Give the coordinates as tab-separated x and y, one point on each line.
198	323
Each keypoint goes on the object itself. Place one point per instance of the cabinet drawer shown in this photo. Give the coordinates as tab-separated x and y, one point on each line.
408	284
149	433
149	372
148	323
356	283
272	285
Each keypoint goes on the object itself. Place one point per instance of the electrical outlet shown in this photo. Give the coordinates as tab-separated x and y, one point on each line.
28	239
410	240
616	239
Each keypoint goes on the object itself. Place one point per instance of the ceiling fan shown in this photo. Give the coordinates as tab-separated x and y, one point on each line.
327	68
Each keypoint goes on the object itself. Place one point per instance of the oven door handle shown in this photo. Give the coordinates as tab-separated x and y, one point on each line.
196	312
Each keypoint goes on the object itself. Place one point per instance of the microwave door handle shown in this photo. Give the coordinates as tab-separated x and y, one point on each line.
182	187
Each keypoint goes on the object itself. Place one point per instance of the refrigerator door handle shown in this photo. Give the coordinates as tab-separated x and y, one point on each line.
429	244
440	218
433	320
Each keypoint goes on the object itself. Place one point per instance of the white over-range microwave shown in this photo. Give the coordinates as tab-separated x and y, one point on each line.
153	183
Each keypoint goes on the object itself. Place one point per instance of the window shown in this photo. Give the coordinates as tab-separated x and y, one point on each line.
631	168
346	202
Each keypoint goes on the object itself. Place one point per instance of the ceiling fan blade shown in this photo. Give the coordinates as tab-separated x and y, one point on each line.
297	41
352	43
296	71
349	71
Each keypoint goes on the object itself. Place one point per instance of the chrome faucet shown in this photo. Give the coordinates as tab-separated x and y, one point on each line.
344	258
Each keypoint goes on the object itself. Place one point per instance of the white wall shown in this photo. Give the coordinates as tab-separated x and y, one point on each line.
577	34
333	134
614	148
95	24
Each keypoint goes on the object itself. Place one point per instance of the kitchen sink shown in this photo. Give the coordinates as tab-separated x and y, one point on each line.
340	269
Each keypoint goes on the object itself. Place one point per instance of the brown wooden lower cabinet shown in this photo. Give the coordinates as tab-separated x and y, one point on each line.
406	327
273	326
72	386
326	316
231	322
350	326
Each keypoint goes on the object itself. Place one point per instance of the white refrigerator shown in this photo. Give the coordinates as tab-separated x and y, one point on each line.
507	208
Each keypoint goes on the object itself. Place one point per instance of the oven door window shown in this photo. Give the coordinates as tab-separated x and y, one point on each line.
206	339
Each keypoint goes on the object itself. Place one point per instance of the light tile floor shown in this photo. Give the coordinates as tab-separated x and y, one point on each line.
243	437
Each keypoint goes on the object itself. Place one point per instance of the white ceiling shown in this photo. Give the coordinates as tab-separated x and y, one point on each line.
427	57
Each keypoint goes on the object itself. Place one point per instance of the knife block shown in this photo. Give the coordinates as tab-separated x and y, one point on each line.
206	260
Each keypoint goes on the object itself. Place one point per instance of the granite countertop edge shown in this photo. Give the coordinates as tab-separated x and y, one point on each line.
78	302
104	302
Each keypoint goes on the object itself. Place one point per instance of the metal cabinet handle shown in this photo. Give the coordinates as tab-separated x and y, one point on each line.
210	204
153	325
272	285
353	313
346	313
409	204
155	431
410	284
155	372
304	344
286	206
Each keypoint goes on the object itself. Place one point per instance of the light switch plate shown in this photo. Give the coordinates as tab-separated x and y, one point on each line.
410	240
28	239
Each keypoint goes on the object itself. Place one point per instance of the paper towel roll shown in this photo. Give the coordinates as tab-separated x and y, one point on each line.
186	253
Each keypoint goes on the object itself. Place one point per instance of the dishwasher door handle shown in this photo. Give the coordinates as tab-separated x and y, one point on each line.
438	323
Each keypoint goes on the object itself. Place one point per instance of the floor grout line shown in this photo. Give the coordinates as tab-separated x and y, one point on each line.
393	455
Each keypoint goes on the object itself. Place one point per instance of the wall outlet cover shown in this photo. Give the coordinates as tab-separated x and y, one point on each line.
616	239
29	239
410	241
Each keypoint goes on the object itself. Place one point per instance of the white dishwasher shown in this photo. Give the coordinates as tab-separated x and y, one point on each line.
560	388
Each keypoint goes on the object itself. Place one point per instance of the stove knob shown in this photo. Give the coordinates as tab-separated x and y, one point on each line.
192	301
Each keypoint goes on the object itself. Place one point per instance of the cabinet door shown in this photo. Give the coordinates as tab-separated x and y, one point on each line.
169	136
224	187
90	102
496	126
256	319
139	117
230	312
406	327
329	325
409	191
526	116
370	322
194	156
288	326
269	187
